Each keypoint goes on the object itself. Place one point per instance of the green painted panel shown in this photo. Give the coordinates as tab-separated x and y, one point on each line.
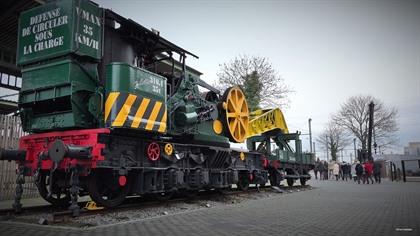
308	158
56	95
48	122
46	75
292	157
55	80
123	77
59	28
205	133
282	155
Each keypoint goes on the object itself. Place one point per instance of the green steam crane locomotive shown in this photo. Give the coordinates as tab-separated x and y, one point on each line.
113	110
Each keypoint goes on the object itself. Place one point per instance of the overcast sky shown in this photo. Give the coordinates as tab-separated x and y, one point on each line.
326	51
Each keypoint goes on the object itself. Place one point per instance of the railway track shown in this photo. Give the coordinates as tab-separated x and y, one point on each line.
57	215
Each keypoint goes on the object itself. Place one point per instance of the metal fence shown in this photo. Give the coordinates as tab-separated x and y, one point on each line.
10	132
411	170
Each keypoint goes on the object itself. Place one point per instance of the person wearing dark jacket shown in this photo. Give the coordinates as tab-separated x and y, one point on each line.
359	172
321	170
317	168
346	171
377	172
326	170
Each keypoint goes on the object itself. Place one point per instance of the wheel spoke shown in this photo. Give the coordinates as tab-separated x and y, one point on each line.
231	114
232	103
242	124
239	126
238	130
232	125
241	103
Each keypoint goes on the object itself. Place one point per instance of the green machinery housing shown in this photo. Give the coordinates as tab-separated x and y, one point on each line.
59	49
87	67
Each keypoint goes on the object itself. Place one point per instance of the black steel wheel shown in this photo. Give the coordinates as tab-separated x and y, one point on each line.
60	195
163	196
243	183
290	182
224	191
191	193
303	181
104	188
274	179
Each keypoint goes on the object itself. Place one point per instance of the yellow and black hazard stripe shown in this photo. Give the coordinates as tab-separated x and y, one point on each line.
134	111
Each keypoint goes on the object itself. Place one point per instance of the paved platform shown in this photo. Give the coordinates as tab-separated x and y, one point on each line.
28	202
332	208
32	202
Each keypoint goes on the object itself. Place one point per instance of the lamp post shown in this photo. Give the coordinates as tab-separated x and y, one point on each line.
313	143
310	135
354	144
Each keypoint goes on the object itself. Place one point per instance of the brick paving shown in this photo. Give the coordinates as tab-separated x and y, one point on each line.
332	208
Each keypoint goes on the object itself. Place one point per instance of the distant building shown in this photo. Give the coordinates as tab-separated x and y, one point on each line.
413	148
411	158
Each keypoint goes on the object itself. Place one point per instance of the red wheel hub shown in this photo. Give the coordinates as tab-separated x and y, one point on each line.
265	162
276	164
122	180
153	151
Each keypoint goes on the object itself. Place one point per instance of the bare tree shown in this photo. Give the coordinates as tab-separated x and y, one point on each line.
333	136
354	117
271	89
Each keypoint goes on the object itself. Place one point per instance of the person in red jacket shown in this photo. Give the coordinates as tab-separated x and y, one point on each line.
368	166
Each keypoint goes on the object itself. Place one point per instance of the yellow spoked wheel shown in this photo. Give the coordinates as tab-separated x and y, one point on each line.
236	114
169	149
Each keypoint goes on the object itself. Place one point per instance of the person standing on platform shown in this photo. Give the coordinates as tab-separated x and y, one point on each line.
341	170
359	171
336	170
353	171
368	172
330	169
317	169
326	170
346	171
377	171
